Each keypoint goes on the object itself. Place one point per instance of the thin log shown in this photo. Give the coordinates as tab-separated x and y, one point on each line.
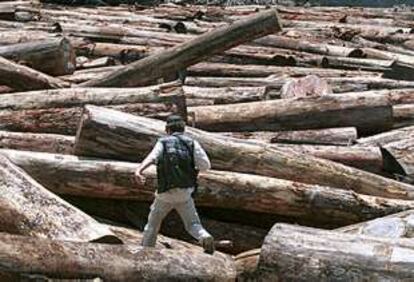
226	153
69	175
111	263
50	143
298	113
332	136
22	78
191	52
385	138
54	57
335	256
29	209
356	64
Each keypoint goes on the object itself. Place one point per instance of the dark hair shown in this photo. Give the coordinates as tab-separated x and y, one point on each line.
175	123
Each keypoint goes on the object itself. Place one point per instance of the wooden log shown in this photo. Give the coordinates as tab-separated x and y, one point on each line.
50	143
29	209
56	259
335	256
59	111
54	57
226	153
400	70
298	113
310	85
403	115
385	138
400	157
70	175
223	95
192	52
356	63
22	78
332	136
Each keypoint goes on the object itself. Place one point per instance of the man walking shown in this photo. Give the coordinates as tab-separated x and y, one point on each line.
178	159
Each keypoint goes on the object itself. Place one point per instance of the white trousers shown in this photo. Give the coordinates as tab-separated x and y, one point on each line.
160	209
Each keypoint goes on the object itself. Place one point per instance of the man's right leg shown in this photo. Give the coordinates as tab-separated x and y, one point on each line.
159	210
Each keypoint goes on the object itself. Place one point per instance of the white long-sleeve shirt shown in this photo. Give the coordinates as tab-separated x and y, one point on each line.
201	162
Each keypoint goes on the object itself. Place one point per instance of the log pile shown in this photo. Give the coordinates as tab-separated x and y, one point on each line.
307	115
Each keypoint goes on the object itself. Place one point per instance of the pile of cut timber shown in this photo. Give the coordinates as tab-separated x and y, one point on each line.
307	115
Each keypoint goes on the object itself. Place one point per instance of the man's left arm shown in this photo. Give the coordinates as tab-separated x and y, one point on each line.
149	160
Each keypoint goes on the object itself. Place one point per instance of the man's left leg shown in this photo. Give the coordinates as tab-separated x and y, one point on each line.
192	224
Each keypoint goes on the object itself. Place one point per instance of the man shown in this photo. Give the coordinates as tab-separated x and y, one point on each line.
178	159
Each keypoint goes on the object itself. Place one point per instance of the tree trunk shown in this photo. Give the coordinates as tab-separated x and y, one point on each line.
138	134
357	64
400	157
59	259
385	138
59	111
223	95
54	57
49	143
70	175
343	136
193	51
403	115
331	255
29	209
22	78
368	113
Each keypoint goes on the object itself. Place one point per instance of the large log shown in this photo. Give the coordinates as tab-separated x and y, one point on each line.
331	136
54	57
400	157
139	134
59	259
368	113
51	143
22	78
403	115
70	175
59	111
193	51
29	209
332	255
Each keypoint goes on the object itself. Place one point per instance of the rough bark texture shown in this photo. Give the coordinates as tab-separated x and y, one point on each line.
70	175
331	255
331	136
22	78
128	137
369	113
111	263
402	156
29	209
54	57
193	51
50	143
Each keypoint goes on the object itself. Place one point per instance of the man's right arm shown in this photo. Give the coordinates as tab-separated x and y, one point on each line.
201	160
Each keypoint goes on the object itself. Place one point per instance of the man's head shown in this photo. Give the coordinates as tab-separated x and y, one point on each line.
175	123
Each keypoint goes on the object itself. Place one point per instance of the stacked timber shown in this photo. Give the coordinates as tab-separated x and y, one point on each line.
307	115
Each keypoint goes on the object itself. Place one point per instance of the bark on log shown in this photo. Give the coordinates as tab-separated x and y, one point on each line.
54	57
385	138
226	153
59	111
29	209
332	136
49	143
356	63
191	52
368	113
111	263
335	256
403	115
22	78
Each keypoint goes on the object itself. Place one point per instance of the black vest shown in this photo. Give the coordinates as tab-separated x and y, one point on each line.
175	166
